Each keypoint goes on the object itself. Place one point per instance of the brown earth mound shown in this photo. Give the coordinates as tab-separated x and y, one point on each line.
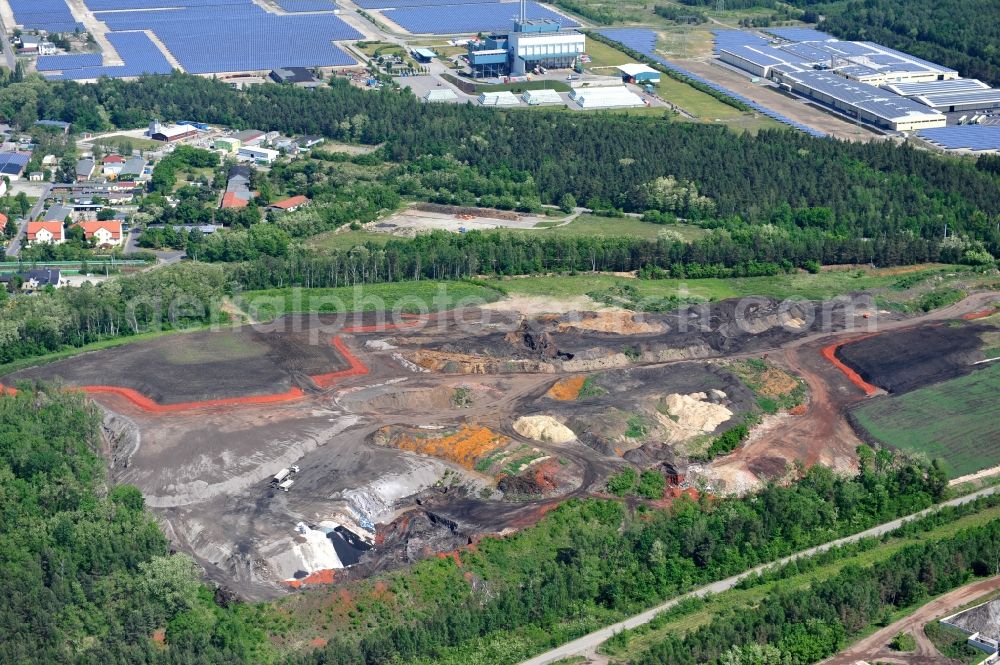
567	389
618	322
463	447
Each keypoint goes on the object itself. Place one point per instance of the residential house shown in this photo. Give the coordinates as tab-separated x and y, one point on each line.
307	142
112	166
33	280
58	213
134	168
84	169
289	205
45	232
238	192
103	233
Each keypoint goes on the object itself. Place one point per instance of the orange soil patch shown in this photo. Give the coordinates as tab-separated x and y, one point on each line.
355	368
829	352
453	555
982	314
799	410
463	447
318	642
775	383
324	576
567	389
381	327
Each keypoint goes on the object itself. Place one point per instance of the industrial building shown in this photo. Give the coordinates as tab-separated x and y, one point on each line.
440	95
606	97
538	43
265	155
862	80
640	74
503	98
160	132
423	55
862	101
539	97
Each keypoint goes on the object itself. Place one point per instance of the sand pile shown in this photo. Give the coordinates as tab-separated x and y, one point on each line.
617	321
543	428
694	413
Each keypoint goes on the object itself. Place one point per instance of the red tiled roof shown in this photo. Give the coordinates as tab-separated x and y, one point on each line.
3	218
114	159
293	202
55	228
230	200
90	228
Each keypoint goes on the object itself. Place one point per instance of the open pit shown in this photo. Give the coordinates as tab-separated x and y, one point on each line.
412	439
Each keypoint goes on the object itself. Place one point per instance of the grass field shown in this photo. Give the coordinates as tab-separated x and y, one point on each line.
413	297
122	143
954	420
642	638
821	286
584	225
604	227
346	239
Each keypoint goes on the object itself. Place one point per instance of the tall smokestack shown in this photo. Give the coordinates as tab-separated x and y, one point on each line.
524	11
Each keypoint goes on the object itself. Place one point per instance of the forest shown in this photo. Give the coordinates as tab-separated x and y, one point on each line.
802	626
876	189
961	34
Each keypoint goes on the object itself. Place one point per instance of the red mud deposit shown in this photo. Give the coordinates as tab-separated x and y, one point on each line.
324	576
829	352
982	314
355	368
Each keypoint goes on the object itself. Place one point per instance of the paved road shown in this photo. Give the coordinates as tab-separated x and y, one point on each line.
14	248
587	645
8	51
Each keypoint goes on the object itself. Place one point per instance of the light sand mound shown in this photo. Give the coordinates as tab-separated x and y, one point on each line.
620	321
543	428
691	413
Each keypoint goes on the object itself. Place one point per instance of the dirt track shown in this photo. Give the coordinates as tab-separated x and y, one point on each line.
876	647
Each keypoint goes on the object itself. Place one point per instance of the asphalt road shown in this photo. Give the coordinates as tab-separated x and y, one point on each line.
14	247
587	645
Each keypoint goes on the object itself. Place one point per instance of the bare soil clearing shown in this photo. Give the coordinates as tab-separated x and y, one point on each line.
405	433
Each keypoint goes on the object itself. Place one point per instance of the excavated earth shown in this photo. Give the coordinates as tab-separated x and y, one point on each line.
367	407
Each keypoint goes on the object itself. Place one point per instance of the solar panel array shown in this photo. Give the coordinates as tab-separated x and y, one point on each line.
51	63
48	15
799	34
239	36
13	163
968	137
140	54
644	41
307	5
385	4
468	18
731	38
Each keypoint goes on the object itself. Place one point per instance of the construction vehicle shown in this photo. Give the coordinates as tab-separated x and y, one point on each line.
286	484
284	475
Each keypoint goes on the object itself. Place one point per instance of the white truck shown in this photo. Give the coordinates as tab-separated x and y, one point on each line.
283	476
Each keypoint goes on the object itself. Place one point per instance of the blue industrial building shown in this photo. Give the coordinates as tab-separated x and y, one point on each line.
532	44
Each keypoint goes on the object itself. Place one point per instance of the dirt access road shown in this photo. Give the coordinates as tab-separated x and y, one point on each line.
587	645
875	647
